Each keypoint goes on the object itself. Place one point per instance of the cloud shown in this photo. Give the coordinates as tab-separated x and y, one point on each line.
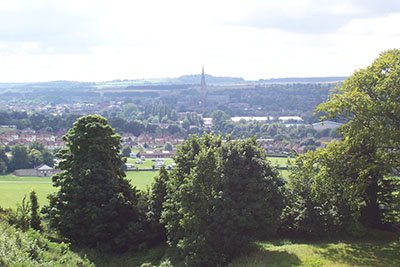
311	17
104	40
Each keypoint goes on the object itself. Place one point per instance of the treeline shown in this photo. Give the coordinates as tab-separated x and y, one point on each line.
25	157
37	121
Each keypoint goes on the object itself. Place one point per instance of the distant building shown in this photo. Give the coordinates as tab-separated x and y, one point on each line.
320	126
286	119
251	118
207	122
154	155
41	171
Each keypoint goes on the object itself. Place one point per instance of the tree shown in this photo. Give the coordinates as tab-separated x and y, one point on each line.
369	102
4	161
126	151
156	199
48	158
325	190
35	158
135	127
95	205
35	216
19	158
219	119
168	146
220	196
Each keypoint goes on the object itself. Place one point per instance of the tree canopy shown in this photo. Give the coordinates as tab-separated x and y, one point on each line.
220	196
95	205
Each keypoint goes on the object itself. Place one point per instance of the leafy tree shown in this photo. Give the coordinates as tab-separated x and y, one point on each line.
48	158
168	146
219	119
35	158
35	216
325	191
134	127
369	102
95	205
220	196
126	151
19	158
156	199
36	145
4	161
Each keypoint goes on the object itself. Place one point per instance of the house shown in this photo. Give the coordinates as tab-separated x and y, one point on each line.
41	171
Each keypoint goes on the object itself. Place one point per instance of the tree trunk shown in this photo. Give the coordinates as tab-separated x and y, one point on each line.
370	214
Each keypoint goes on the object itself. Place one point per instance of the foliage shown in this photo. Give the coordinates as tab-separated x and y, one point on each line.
4	161
126	151
21	217
33	249
35	221
95	205
221	196
369	101
168	146
324	192
19	158
156	199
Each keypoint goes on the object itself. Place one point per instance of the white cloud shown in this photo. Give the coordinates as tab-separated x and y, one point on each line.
101	40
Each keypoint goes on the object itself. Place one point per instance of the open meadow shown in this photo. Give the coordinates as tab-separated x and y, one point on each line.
13	188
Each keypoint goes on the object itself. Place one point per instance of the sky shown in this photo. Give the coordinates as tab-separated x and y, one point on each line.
95	40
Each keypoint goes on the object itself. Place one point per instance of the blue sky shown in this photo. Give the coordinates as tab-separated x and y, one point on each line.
89	40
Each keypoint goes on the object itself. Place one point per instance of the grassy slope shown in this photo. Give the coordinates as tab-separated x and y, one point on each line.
375	251
30	248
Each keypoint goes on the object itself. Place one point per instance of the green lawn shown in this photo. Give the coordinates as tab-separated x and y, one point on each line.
148	163
345	253
141	179
13	188
280	162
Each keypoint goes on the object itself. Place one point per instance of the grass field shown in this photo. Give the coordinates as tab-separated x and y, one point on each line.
13	188
381	249
280	162
148	163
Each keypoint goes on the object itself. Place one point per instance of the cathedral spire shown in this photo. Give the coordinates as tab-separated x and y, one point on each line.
203	80
203	87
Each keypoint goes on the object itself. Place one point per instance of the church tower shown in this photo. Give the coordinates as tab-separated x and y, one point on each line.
203	88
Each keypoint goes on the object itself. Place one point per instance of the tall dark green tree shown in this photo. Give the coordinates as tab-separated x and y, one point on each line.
221	196
19	158
156	199
4	161
95	205
35	221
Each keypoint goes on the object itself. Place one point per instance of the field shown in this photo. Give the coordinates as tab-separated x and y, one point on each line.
380	249
148	163
13	188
